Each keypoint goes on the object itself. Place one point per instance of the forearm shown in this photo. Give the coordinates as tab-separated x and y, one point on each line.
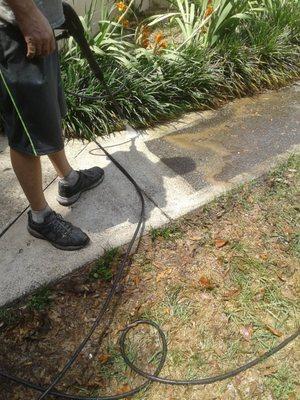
34	26
22	9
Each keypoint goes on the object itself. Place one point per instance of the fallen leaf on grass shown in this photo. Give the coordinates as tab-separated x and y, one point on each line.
288	230
104	358
124	389
196	237
167	310
136	280
246	332
231	293
270	370
219	243
158	265
274	331
206	283
93	383
259	295
281	277
163	275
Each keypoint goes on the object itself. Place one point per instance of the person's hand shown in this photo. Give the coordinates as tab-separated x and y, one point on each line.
37	33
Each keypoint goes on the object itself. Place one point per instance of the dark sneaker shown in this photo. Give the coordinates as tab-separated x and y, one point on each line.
88	179
59	232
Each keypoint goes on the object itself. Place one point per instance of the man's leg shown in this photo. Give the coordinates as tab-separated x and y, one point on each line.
41	120
60	163
73	183
42	221
29	173
64	170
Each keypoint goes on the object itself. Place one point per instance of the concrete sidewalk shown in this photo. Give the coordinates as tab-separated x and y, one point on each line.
180	166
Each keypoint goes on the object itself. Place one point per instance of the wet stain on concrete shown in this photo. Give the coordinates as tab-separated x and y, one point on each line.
244	133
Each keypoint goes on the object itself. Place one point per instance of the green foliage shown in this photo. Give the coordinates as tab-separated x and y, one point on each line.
40	300
7	317
237	48
167	233
282	383
189	17
103	270
226	18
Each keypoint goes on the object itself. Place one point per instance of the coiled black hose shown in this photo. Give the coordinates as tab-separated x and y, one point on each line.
74	28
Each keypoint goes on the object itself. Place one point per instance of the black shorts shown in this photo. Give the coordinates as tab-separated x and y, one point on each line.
32	102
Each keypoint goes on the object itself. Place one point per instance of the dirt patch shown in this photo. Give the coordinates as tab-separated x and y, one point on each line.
223	283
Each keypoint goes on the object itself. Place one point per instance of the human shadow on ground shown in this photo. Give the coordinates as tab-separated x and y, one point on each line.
115	201
117	197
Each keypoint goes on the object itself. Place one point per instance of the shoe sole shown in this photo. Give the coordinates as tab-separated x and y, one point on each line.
68	201
69	248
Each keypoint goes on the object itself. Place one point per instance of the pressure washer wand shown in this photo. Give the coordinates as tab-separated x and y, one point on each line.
74	28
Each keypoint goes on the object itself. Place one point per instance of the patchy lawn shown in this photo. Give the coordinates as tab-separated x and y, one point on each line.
223	283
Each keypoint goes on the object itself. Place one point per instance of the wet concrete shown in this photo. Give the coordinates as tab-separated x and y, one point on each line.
236	138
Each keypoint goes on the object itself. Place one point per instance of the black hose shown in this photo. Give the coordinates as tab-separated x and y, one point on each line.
122	342
75	28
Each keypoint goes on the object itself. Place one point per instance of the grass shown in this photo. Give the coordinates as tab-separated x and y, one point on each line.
167	233
252	305
177	306
7	317
40	300
112	367
282	383
102	269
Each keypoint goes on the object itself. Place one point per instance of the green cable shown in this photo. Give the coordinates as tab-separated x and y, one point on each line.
18	112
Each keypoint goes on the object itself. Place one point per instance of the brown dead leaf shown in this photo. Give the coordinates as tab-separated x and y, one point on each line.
231	293
246	332
196	237
167	310
136	280
270	370
158	264
281	277
288	230
164	274
124	389
274	331
260	294
206	283
92	383
104	358
219	243
263	256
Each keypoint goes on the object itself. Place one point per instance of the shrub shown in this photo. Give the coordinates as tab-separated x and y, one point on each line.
228	48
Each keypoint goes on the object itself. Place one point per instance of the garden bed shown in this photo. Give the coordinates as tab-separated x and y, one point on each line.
196	57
